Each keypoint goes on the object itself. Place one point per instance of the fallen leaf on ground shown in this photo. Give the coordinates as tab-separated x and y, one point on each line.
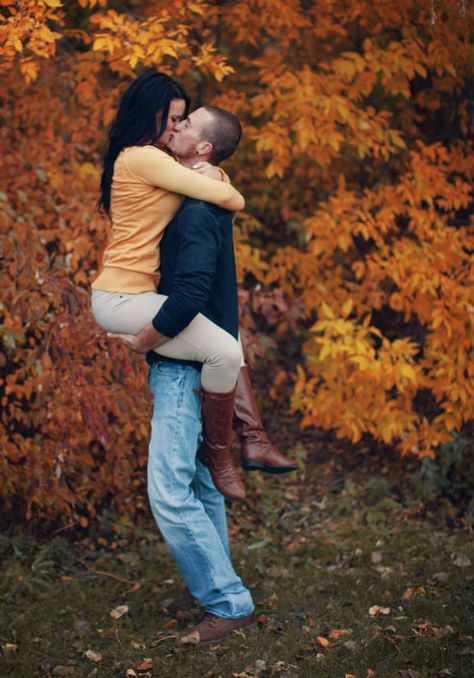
322	641
422	629
376	557
441	576
119	611
170	624
339	633
376	610
260	666
93	656
412	591
145	665
462	561
136	587
106	633
10	647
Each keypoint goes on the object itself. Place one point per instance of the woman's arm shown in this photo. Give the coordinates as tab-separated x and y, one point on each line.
159	169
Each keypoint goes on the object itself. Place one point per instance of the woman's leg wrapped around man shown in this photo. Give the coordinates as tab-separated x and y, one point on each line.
202	341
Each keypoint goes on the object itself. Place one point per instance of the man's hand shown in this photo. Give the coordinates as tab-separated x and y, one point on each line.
146	340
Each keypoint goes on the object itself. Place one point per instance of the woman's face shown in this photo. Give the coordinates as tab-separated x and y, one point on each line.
175	114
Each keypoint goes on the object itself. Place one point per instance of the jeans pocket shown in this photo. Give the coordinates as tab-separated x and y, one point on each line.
168	369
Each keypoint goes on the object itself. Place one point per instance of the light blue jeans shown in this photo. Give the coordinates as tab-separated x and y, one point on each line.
188	509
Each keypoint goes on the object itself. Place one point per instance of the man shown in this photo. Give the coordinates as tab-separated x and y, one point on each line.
198	275
198	139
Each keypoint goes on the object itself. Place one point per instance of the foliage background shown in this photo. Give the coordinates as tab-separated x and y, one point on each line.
355	250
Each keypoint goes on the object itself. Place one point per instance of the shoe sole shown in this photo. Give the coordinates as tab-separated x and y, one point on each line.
257	466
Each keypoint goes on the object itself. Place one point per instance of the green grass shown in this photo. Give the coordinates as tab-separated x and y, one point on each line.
317	556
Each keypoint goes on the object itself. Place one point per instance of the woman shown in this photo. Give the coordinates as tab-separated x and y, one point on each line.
142	188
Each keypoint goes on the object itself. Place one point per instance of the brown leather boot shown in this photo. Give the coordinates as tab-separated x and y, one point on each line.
216	450
257	452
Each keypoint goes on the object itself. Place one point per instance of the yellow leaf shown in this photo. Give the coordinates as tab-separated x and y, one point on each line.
102	42
347	308
170	50
327	311
17	44
408	372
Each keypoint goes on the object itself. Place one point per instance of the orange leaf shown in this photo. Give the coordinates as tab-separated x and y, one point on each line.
339	633
322	641
145	665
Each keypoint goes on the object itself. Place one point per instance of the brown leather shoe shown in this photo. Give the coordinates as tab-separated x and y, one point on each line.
212	628
216	450
257	452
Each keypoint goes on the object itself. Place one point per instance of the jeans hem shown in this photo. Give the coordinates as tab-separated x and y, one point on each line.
228	616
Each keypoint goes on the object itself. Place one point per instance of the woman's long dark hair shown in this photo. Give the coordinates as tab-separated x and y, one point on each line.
135	122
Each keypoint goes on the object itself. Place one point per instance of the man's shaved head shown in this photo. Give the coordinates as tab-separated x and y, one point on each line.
223	131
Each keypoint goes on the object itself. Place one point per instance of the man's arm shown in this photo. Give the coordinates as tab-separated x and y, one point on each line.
200	242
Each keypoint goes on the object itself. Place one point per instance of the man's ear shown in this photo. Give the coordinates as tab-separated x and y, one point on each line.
204	148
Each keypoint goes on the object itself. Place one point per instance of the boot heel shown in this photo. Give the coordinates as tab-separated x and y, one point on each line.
257	452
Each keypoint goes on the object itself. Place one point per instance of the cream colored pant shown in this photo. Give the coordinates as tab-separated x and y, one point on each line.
201	340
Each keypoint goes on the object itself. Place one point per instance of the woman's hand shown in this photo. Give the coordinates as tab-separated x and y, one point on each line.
208	170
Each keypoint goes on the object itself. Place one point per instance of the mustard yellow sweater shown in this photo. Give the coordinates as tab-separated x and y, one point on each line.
148	188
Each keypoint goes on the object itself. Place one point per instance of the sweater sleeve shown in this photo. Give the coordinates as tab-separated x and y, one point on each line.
200	242
156	167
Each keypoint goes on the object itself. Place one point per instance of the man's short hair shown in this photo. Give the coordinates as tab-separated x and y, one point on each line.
223	133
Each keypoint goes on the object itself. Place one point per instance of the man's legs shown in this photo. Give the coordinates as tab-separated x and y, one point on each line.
186	522
213	502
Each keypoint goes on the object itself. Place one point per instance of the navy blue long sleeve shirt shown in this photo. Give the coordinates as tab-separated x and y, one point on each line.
198	272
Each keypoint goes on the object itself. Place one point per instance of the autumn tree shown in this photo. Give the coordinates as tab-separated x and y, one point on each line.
356	244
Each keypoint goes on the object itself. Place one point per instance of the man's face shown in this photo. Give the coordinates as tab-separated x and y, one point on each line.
188	135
